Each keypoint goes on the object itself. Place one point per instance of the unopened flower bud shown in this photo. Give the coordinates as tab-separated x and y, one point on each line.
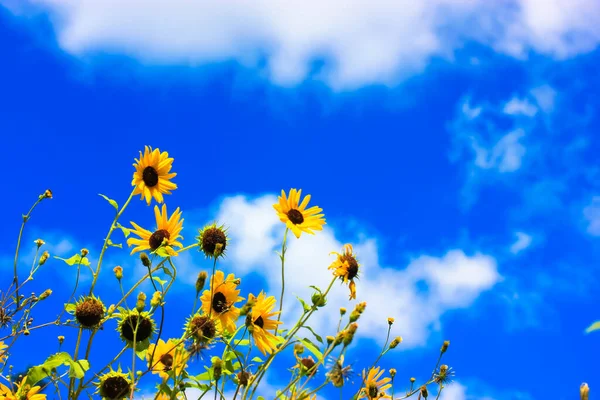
349	334
39	243
243	378
47	194
217	368
390	320
342	311
298	348
445	346
26	332
84	252
329	339
392	372
61	339
218	250
412	380
397	340
424	391
141	302
200	281
318	300
145	260
118	270
45	294
111	309
248	306
584	391
156	299
44	257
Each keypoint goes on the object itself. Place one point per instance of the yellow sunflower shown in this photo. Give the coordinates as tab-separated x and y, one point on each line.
260	318
346	268
167	357
22	392
295	215
222	304
374	386
167	230
152	177
3	348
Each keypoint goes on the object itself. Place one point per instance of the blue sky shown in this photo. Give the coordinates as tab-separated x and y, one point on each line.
454	144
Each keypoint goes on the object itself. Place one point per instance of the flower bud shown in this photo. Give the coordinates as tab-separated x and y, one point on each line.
390	321
584	391
424	391
412	380
243	378
84	252
39	243
61	339
217	368
118	270
201	281
392	372
145	260
349	334
397	340
329	339
156	299
44	257
298	348
342	311
141	302
445	346
318	299
45	294
47	194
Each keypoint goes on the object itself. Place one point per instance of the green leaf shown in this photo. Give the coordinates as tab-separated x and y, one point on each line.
70	308
111	201
312	348
593	327
304	305
168	272
319	338
316	288
126	231
76	368
76	259
161	252
243	342
110	243
160	281
257	360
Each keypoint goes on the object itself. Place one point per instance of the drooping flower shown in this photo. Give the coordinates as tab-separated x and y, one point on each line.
165	357
135	325
374	386
152	176
296	216
202	328
261	321
114	385
167	232
221	305
346	267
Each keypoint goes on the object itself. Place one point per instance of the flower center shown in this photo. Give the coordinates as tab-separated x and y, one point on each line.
115	387
203	327
352	266
372	389
295	216
89	313
143	325
219	302
259	322
211	237
158	237
150	176
167	360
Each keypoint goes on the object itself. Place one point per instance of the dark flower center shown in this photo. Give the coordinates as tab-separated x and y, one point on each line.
259	322
373	392
308	363
115	387
295	216
150	176
352	266
144	328
219	302
158	237
167	360
89	313
203	327
211	237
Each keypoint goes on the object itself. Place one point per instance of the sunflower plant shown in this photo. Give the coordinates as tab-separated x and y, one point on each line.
231	338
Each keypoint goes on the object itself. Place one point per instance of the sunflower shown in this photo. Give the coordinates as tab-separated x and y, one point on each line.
22	392
375	387
3	348
261	322
297	217
134	322
339	374
222	302
167	232
151	177
202	328
165	357
212	240
114	385
346	268
89	312
301	396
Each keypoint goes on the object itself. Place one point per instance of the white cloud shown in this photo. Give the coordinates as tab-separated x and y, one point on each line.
454	391
523	241
379	41
453	280
520	107
592	215
504	156
545	97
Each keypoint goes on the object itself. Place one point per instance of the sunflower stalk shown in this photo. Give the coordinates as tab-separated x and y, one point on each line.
282	257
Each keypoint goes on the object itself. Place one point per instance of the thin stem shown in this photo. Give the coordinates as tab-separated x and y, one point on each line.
282	256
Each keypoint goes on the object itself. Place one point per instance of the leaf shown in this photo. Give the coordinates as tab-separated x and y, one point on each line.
126	231
76	259
304	305
110	243
162	252
257	360
243	342
312	348
70	308
593	327
111	201
76	368
160	281
168	272
319	338
316	288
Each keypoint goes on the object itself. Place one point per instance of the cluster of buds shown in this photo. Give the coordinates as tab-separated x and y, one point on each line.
246	308
348	334
156	299
358	310
141	302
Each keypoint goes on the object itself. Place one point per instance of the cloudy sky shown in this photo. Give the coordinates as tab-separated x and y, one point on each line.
454	143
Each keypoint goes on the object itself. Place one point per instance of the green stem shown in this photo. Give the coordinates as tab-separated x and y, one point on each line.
282	256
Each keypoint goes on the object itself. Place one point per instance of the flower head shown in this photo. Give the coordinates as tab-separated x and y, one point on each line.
114	385
202	328
374	386
167	233
219	300
213	240
89	311
165	357
21	391
137	325
260	321
152	176
346	267
296	216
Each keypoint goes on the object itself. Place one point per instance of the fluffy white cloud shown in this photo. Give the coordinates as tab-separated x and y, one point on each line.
416	295
520	106
592	215
504	156
523	241
454	391
379	41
